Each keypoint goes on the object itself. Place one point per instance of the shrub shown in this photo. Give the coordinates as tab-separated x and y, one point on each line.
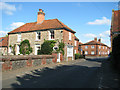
25	47
47	47
78	56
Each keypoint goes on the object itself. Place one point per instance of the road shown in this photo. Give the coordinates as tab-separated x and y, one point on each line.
85	74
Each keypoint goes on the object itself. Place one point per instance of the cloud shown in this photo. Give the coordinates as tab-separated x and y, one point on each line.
90	35
105	34
102	21
16	25
7	8
3	33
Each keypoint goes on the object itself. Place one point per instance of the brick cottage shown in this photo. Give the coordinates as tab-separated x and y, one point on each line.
37	32
95	48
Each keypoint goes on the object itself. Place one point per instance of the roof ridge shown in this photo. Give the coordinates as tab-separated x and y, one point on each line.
60	23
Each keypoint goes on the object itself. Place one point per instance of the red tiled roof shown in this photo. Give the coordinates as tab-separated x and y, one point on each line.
3	41
93	42
47	24
116	21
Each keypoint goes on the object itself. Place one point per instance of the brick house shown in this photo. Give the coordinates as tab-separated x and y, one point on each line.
76	49
115	25
95	48
36	32
3	45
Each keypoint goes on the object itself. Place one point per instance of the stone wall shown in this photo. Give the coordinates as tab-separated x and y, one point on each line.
20	61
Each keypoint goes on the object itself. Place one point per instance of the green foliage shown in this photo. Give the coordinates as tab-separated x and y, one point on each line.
13	48
25	47
47	47
61	47
78	56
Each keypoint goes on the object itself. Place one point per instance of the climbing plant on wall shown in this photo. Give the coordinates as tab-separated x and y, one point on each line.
25	47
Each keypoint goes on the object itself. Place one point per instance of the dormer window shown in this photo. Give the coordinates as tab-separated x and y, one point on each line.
38	35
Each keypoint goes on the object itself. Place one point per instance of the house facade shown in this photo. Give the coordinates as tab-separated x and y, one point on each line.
3	45
95	48
76	45
37	32
115	25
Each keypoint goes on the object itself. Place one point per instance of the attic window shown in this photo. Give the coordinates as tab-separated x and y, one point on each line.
1	40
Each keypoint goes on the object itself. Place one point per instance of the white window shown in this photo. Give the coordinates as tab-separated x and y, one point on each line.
75	51
75	43
38	35
69	35
99	53
51	34
86	47
86	52
103	47
106	47
19	37
92	52
92	46
99	47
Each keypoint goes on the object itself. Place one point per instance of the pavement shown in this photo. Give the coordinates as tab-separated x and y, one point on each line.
92	72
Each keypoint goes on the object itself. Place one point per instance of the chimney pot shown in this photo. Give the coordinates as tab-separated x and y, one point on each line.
95	38
99	40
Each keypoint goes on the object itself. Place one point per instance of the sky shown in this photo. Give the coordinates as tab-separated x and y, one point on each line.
88	19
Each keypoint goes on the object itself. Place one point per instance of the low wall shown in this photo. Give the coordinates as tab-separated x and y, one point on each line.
20	61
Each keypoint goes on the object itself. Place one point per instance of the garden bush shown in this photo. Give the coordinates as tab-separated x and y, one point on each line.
78	56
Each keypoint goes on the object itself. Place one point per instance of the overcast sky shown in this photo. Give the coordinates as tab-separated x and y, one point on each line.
88	19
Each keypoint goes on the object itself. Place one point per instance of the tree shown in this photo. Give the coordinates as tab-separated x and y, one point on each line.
25	47
61	47
47	47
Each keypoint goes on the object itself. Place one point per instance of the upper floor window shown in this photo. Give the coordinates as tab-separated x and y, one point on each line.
75	43
103	47
86	47
69	35
38	35
19	37
92	46
51	34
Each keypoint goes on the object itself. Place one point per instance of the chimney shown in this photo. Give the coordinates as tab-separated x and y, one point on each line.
40	16
95	39
99	40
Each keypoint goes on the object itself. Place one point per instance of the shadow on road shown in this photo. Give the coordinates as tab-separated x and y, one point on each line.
64	76
96	59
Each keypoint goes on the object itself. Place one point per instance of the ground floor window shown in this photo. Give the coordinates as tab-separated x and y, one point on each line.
92	52
86	52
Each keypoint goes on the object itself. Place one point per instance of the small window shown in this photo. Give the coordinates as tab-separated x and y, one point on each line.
103	47
38	35
86	47
52	34
99	53
99	47
92	46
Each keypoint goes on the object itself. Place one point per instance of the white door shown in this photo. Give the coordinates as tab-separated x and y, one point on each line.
58	57
70	51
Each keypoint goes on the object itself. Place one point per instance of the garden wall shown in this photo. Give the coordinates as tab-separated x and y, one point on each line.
20	61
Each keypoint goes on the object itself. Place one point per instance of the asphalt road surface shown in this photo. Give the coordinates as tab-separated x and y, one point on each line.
85	74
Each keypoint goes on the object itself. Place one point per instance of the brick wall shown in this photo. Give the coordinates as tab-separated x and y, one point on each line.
18	61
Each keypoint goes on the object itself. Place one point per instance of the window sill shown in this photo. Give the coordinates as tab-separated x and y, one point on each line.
37	40
51	39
